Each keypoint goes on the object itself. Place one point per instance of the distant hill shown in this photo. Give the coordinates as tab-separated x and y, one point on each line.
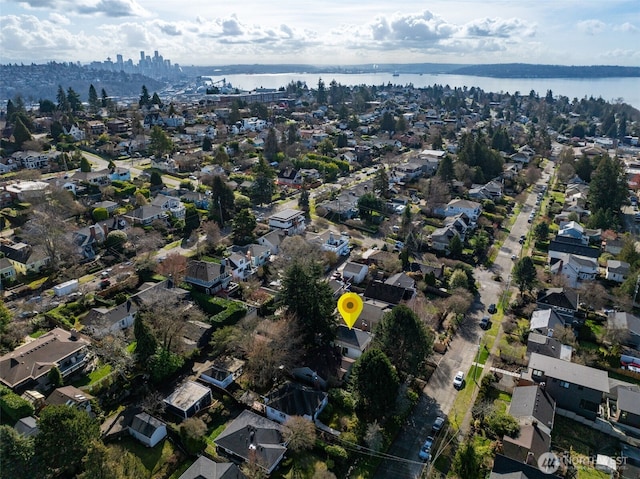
525	70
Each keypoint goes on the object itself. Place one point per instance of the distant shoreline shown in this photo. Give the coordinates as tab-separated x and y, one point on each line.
507	70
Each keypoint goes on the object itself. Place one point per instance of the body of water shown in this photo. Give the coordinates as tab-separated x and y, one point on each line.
610	89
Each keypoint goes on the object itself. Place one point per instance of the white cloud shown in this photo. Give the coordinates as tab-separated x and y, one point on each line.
113	8
627	28
56	18
592	27
498	27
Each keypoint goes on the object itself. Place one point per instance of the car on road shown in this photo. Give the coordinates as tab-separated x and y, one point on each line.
458	380
492	309
514	257
437	424
485	323
425	450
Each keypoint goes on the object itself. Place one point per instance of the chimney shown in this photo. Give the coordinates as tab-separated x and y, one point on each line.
92	232
128	305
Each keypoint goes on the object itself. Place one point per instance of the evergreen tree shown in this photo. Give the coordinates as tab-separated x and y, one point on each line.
292	133
243	225
17	454
303	201
405	339
104	98
159	143
46	107
155	100
321	95
467	463
73	99
263	184
61	97
308	298
11	110
446	170
370	206
271	145
55	377
145	341
375	383
437	143
222	199
387	123
85	166
145	99
64	436
21	133
608	191
94	101
455	247
191	219
524	274
207	145
156	179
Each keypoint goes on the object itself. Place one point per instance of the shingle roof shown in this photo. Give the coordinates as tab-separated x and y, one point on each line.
295	400
629	400
145	424
571	372
532	401
506	468
251	434
36	358
67	394
187	395
353	337
204	271
205	468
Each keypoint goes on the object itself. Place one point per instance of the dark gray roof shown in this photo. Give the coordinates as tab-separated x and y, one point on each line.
624	320
295	400
384	292
205	468
251	434
506	468
353	337
145	424
570	372
558	297
36	358
545	319
204	271
532	401
566	244
629	400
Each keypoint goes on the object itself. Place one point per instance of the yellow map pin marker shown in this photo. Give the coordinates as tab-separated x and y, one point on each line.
350	307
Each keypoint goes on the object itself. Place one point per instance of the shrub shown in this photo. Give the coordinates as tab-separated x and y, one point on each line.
15	407
337	453
342	399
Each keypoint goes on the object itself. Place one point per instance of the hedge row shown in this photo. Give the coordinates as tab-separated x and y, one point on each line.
234	313
14	406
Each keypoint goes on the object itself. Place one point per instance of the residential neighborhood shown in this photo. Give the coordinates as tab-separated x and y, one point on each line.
170	268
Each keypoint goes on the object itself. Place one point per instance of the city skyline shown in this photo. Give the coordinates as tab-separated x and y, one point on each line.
564	32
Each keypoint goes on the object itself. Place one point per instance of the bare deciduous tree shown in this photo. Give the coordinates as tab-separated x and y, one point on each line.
299	433
174	266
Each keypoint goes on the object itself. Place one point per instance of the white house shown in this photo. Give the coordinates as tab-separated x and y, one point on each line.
576	268
352	342
290	221
240	266
147	429
469	208
334	243
292	399
223	372
170	204
617	270
356	272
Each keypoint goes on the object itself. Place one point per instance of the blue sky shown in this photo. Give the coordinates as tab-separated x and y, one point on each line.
328	32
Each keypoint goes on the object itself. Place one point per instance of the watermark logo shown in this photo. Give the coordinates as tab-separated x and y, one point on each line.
548	463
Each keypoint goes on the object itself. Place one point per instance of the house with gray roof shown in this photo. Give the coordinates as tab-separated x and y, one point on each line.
506	468
205	468
356	272
628	407
545	321
292	399
628	324
70	396
253	437
222	372
146	214
28	366
562	301
617	270
147	429
574	387
188	399
352	342
207	276
548	346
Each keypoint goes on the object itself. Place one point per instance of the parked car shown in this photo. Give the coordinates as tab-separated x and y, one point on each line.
425	450
438	423
492	309
485	323
458	380
522	239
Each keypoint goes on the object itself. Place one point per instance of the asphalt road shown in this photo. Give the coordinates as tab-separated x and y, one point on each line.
439	394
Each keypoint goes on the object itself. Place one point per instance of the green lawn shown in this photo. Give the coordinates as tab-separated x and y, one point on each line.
463	401
155	460
93	377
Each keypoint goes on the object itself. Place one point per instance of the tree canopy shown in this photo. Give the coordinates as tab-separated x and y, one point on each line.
405	339
309	299
375	383
607	193
524	274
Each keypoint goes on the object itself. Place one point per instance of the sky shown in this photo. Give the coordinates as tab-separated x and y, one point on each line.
326	32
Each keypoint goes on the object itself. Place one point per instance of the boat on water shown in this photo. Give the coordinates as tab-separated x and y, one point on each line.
396	74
